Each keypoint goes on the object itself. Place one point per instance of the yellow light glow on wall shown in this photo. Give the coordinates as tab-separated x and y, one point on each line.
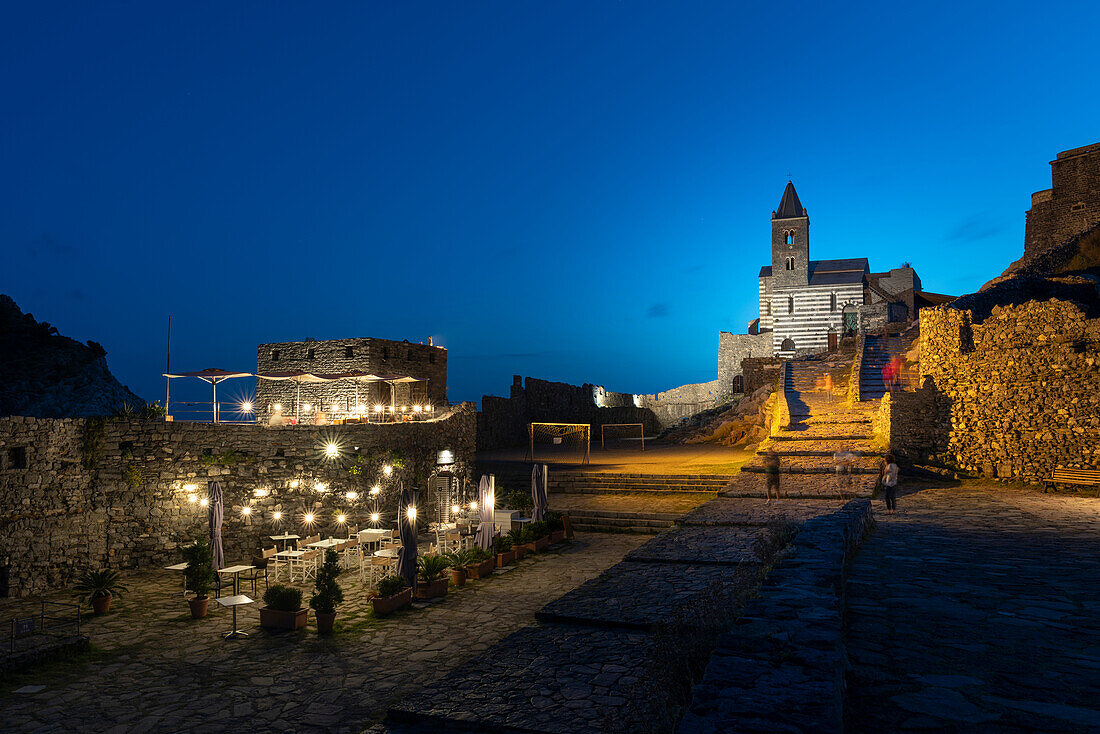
352	495
204	502
341	519
192	499
332	450
308	519
387	470
278	515
321	487
375	489
294	484
374	517
246	510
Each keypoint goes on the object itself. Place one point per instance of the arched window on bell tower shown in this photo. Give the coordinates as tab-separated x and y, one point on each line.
790	236
789	265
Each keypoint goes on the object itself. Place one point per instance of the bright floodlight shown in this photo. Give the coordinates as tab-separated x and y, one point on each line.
192	498
189	487
278	407
246	407
294	484
473	505
204	502
387	470
278	515
321	487
378	409
352	495
416	408
374	517
375	489
308	519
455	508
341	519
412	512
246	510
306	407
332	450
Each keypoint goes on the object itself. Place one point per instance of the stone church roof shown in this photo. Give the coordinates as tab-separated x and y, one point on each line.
789	206
831	272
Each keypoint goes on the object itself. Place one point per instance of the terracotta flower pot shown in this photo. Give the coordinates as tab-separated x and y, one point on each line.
384	605
277	619
325	620
481	570
504	559
431	589
541	543
520	552
198	606
529	547
101	604
458	577
557	536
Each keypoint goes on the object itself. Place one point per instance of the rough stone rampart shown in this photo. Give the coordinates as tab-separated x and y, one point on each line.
1016	395
79	494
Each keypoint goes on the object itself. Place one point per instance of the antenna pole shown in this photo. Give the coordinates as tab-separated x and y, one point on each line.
167	369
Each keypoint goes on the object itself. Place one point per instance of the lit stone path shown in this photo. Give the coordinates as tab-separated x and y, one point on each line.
164	672
977	609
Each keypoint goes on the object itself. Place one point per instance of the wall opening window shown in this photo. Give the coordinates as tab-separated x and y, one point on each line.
767	308
787	345
385	353
790	237
832	302
349	352
17	457
274	355
790	304
789	265
738	384
311	353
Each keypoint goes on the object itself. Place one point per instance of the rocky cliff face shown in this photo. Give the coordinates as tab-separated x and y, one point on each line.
46	375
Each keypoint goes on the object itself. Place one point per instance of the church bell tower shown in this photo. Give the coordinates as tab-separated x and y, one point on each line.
790	242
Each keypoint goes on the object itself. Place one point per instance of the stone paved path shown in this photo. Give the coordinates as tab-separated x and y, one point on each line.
165	672
977	609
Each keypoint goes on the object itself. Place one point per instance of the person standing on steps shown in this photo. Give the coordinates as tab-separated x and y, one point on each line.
890	482
771	474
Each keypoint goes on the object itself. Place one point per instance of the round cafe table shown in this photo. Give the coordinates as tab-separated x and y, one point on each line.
386	553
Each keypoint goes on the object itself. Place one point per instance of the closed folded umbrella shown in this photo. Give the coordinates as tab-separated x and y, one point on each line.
406	530
486	500
216	512
538	492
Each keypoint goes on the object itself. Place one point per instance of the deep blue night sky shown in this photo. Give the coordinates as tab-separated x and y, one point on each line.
575	191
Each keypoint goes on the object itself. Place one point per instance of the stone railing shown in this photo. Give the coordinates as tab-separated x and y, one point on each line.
782	666
854	393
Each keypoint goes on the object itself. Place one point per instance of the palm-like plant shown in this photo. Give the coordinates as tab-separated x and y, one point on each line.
460	558
96	584
431	568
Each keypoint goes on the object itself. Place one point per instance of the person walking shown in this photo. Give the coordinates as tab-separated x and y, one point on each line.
890	482
771	473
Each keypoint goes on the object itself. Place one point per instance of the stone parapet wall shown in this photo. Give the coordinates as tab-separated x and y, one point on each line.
733	349
760	371
1016	395
782	666
78	494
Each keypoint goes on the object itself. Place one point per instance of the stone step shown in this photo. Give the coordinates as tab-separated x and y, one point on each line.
814	465
608	527
794	437
665	517
805	486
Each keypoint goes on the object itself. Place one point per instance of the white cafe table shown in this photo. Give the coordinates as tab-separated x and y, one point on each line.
386	553
285	537
234	602
236	571
179	567
327	543
288	556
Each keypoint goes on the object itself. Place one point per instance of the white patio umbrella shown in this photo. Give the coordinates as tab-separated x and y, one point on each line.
486	502
213	376
394	381
538	492
297	377
216	514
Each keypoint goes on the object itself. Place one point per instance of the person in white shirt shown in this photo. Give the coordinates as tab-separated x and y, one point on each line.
890	482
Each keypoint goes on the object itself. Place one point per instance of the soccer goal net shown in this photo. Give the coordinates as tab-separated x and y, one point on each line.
559	441
622	435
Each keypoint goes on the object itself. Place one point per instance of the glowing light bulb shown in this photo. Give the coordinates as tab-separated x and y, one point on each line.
192	499
278	515
321	487
412	512
278	407
378	409
332	450
416	408
204	502
294	484
189	487
352	495
306	408
375	489
360	408
473	505
246	510
455	508
262	492
341	519
374	517
246	407
308	518
387	470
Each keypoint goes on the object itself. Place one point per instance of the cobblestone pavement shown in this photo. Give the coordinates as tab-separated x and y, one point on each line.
162	671
663	502
977	608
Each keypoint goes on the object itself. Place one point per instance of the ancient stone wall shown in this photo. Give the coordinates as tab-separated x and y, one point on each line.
79	494
375	356
1071	206
733	349
1013	396
760	371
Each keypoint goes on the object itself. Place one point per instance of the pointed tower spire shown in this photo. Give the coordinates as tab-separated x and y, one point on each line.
789	206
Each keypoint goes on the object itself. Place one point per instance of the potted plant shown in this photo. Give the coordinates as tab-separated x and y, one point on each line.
518	538
283	608
556	525
328	593
431	571
98	588
502	548
481	563
540	534
199	575
393	593
459	559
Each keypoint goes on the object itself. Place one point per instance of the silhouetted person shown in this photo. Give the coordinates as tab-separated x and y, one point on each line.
771	474
890	482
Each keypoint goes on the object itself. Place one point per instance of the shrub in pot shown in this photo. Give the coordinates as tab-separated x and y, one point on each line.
199	575
481	564
98	588
393	593
431	570
328	594
540	534
556	526
283	608
502	548
518	536
459	559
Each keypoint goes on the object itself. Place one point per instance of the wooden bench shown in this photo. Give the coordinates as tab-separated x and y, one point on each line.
1082	477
